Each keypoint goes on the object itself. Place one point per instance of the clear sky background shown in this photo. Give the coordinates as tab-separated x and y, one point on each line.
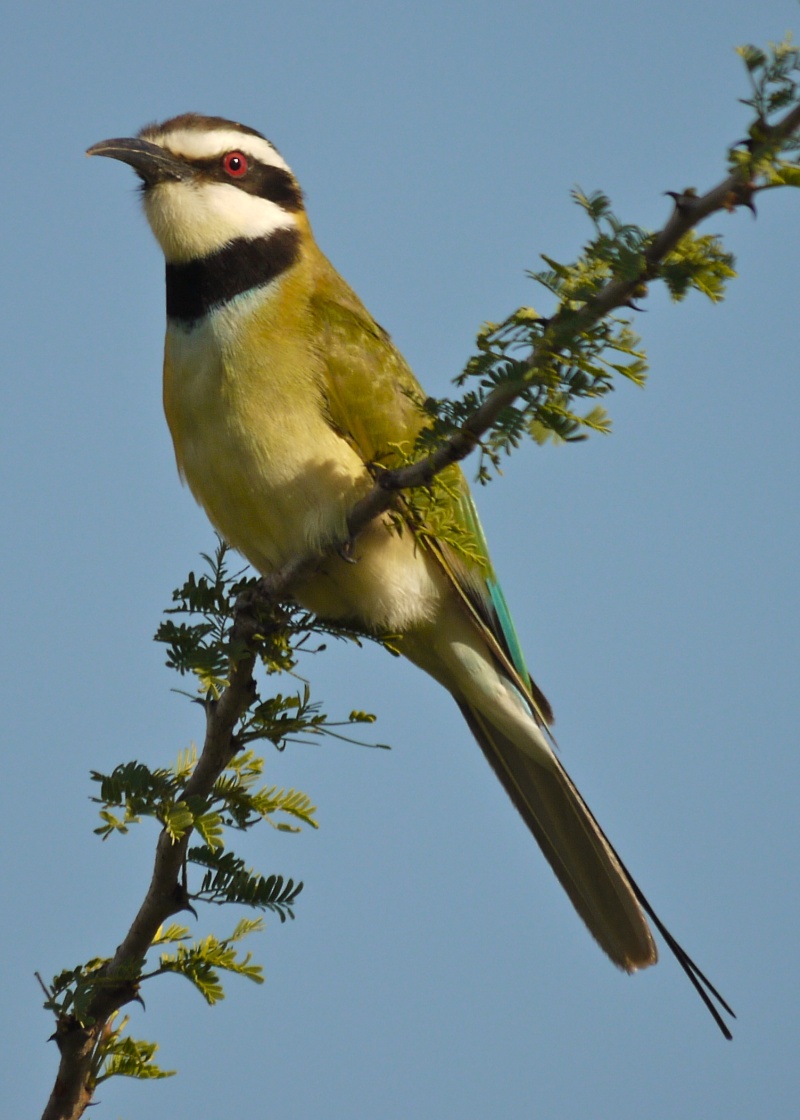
435	968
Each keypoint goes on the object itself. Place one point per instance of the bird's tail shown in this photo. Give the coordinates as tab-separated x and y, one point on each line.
589	869
572	841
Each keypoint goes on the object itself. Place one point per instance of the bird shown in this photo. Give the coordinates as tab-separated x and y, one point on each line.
281	394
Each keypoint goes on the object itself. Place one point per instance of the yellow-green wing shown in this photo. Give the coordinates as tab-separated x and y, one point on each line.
373	396
375	401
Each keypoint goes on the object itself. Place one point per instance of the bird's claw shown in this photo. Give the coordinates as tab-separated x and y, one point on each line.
346	551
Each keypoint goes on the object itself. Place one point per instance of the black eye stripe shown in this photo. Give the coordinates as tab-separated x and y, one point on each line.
262	179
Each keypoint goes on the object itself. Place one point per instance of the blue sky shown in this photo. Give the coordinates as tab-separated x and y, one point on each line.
435	969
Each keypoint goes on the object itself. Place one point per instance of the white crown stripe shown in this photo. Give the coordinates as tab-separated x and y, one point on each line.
192	143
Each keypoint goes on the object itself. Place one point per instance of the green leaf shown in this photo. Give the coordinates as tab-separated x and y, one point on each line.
172	932
132	1057
785	175
178	819
361	717
245	927
112	823
228	879
201	962
754	59
209	826
698	262
187	760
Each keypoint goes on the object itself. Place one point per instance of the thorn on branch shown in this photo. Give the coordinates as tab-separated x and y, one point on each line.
640	291
346	550
239	742
65	1026
684	200
180	899
742	195
251	688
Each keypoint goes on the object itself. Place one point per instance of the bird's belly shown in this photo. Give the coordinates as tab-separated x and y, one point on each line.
277	482
389	585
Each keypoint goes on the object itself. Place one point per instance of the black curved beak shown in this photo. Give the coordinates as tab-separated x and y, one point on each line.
150	162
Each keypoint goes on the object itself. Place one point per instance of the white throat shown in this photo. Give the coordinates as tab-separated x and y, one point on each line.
192	220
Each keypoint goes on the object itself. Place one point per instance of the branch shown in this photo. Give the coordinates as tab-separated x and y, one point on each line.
736	190
166	895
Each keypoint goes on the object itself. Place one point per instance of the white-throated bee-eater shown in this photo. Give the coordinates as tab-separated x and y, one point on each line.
280	391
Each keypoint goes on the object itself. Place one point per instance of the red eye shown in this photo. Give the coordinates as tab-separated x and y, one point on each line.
235	163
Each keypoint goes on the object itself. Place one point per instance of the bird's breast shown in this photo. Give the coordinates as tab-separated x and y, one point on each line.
252	439
246	414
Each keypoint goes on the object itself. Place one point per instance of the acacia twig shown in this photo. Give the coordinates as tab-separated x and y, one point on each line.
689	211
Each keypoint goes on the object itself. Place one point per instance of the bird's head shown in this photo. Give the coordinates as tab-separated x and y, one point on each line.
208	182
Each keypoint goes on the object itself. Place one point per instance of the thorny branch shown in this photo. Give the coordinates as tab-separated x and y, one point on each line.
165	896
689	211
